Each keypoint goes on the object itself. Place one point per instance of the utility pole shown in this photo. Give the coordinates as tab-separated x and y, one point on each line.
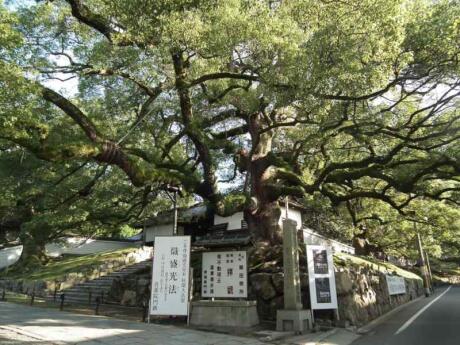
429	270
423	269
175	213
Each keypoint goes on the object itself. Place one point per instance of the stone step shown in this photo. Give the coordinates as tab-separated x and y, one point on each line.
106	282
85	293
101	279
74	299
124	272
84	298
88	288
79	294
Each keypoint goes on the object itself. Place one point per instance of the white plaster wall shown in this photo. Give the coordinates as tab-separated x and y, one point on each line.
73	245
161	230
234	221
310	237
82	246
293	214
10	256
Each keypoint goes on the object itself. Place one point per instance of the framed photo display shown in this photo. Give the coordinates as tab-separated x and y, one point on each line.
321	277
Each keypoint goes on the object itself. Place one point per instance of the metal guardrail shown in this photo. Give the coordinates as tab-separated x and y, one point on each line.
100	303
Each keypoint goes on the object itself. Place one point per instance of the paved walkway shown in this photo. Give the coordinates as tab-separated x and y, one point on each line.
9	337
48	326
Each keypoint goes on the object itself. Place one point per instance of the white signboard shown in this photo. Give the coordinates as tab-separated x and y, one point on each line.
396	285
321	276
224	274
170	276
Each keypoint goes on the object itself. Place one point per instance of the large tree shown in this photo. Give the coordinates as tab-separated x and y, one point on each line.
42	202
348	100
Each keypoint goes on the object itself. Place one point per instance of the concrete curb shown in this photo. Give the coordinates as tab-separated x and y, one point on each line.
307	338
374	323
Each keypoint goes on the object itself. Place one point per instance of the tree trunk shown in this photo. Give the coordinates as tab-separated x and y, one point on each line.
2	236
364	247
33	253
264	212
263	224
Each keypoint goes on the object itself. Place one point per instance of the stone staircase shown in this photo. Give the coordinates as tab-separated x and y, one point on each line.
87	292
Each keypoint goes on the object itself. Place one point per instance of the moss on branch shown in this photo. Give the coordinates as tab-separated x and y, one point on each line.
232	203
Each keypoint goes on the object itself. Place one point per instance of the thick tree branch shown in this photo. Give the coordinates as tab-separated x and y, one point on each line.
94	20
223	75
73	111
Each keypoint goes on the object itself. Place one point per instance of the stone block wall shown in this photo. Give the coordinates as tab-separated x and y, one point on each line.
132	290
362	294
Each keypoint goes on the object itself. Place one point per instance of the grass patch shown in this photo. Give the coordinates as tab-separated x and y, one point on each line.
58	268
23	299
343	259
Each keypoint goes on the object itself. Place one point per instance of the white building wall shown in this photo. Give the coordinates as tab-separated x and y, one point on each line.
9	256
234	221
311	237
73	246
293	214
161	230
82	246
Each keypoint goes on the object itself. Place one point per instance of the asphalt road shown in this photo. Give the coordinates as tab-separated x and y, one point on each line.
430	321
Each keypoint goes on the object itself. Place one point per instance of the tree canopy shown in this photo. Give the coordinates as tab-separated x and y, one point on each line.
349	104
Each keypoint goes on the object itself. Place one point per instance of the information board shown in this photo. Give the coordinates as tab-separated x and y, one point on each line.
321	277
170	276
396	285
224	274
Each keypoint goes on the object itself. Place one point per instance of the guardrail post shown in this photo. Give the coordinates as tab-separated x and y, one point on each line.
32	296
55	291
98	302
62	297
144	311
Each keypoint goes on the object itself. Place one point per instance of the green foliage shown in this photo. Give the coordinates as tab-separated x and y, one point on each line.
343	259
348	106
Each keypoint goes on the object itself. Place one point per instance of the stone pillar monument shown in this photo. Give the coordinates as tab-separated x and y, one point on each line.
292	317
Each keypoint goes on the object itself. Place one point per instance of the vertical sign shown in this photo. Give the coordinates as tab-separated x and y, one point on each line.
321	277
170	276
224	274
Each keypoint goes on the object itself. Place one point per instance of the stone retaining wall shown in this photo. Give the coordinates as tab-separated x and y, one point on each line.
362	293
